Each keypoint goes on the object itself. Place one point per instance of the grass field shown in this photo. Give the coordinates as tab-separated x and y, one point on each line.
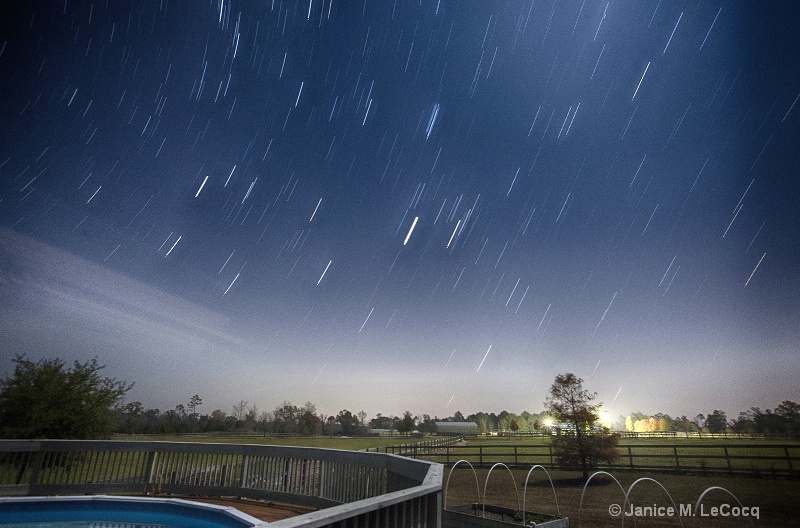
692	441
335	442
756	457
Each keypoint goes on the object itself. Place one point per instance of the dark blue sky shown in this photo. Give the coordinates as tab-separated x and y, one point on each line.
432	205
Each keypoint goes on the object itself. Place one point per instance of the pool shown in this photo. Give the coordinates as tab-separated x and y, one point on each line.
117	512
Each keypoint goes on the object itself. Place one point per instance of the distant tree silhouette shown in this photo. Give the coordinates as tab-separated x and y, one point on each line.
348	422
716	422
407	423
194	402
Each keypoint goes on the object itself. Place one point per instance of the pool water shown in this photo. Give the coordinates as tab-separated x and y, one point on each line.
117	512
83	524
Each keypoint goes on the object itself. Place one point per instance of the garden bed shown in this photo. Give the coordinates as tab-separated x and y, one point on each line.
472	516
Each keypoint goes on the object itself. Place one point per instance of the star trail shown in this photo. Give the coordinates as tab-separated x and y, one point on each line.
427	205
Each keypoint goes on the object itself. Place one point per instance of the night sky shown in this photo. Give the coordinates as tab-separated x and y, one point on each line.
390	205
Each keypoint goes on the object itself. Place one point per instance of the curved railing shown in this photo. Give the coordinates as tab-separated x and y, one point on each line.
347	487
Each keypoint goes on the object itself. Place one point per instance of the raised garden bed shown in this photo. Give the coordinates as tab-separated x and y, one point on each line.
471	516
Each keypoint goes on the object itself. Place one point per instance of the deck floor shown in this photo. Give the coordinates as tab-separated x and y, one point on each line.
265	510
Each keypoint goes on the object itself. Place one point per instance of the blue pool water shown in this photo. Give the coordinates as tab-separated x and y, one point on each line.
117	512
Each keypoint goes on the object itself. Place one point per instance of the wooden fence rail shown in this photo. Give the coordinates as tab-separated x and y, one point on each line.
754	459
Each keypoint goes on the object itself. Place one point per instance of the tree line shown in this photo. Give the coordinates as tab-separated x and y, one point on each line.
49	399
783	421
286	418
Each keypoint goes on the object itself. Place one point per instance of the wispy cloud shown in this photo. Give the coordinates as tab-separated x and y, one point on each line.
60	284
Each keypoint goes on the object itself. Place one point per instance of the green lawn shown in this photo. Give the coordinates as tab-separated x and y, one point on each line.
695	455
335	442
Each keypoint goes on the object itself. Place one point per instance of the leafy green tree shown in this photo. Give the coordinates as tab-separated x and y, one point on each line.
407	423
593	449
47	399
309	424
571	405
783	421
744	424
218	420
716	422
789	412
285	418
348	422
131	418
683	424
427	424
381	422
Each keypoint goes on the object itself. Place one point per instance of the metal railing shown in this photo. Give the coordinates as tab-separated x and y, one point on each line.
348	488
415	449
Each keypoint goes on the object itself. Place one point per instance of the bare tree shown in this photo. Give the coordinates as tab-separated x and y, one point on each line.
239	410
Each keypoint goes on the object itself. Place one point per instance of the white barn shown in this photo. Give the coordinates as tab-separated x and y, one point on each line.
456	428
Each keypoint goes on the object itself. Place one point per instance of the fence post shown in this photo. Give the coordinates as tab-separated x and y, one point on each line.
480	455
630	457
515	456
728	459
788	460
550	449
677	460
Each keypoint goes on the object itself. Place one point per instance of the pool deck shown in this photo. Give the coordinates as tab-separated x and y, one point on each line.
266	511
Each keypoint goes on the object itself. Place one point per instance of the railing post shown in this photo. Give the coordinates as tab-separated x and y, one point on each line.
677	460
150	470
37	466
245	471
515	456
788	460
630	457
480	455
287	469
24	467
550	449
323	488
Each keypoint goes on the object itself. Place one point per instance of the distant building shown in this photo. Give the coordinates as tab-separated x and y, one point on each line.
383	432
456	428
